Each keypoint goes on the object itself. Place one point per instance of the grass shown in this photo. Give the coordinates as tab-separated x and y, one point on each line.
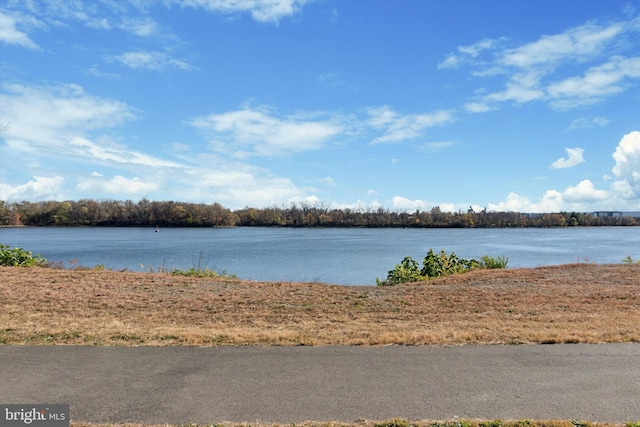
583	303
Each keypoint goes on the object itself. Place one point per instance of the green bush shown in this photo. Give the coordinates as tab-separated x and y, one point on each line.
487	261
436	265
406	271
18	257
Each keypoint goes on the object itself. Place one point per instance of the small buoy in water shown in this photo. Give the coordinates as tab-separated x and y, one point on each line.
157	229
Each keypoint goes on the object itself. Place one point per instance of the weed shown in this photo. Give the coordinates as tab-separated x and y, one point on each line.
396	422
487	261
200	269
201	272
629	260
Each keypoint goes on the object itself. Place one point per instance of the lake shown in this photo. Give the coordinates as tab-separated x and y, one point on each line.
349	256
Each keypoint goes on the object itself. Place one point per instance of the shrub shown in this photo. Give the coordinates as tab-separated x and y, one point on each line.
444	264
487	261
436	265
18	257
406	271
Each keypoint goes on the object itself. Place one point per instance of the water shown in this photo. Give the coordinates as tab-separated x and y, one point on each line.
331	255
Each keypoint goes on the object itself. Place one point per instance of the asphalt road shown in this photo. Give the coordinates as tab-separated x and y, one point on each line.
293	384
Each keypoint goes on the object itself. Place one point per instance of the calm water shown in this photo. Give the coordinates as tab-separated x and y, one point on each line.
341	256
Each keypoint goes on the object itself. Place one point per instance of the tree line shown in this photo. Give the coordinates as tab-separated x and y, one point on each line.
175	214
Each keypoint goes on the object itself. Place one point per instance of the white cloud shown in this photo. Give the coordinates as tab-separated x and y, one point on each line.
399	203
41	188
396	127
627	157
266	11
438	145
46	118
477	107
597	83
237	185
584	192
118	185
588	122
580	43
328	180
575	157
521	88
250	132
583	197
153	61
466	53
551	201
116	154
141	27
529	68
10	34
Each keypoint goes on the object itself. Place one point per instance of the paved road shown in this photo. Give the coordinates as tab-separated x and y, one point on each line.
294	384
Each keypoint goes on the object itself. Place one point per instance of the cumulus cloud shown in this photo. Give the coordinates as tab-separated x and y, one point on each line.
40	188
575	157
403	204
583	197
627	158
584	192
251	132
118	185
551	201
45	115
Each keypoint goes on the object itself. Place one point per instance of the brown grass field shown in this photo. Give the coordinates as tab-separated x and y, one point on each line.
583	303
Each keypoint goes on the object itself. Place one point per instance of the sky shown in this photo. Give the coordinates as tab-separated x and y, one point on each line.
508	105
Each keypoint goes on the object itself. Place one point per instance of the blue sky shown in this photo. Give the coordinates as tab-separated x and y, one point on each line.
530	106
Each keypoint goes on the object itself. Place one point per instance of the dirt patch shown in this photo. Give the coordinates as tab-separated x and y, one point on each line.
573	303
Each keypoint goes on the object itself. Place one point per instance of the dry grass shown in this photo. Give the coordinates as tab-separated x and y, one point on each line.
571	303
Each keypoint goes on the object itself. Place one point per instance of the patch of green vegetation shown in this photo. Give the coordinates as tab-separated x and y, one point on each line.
126	337
437	265
18	257
487	261
202	272
396	422
200	269
629	260
61	337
